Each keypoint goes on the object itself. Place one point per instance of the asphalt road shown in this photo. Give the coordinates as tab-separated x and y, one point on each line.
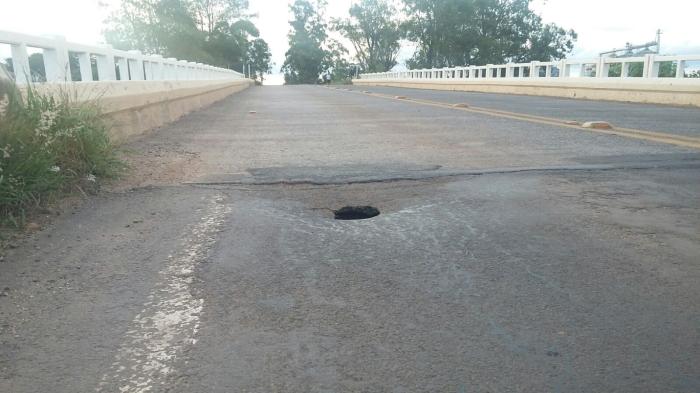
509	256
661	118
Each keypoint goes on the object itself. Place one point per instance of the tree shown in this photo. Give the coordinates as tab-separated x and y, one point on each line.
208	14
548	42
164	27
335	63
259	56
461	32
304	61
230	43
667	69
374	32
216	32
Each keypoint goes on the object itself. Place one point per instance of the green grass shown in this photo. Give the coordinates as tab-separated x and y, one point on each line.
49	145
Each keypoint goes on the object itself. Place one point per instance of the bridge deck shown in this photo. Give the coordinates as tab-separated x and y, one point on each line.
511	254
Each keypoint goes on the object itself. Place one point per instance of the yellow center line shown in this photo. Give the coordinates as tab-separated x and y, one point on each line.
661	137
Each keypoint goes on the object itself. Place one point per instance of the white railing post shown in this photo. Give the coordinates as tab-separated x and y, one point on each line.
56	63
158	68
147	69
105	65
123	69
651	67
20	63
564	69
136	66
171	73
183	70
179	72
602	69
625	70
164	70
170	69
85	66
680	69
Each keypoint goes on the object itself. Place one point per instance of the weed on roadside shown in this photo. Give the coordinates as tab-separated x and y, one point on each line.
50	144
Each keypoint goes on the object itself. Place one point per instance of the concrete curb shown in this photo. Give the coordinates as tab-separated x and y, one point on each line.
135	107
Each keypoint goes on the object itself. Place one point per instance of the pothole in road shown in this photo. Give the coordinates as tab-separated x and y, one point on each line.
356	213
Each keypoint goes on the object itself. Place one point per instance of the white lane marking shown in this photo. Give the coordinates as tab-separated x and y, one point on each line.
169	320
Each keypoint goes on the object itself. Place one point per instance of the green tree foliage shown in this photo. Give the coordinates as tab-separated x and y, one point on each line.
36	67
548	42
460	32
667	69
335	64
374	31
306	57
216	32
259	55
208	14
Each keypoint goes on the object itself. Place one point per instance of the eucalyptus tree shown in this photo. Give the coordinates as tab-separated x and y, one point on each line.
259	56
460	32
375	33
310	52
217	32
208	14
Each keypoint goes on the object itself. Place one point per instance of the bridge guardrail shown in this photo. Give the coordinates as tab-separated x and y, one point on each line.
132	65
591	68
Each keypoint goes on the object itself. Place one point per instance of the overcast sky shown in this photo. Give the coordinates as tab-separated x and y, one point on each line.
601	24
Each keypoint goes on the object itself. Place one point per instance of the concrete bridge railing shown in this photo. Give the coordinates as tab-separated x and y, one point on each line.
650	64
132	65
136	92
579	79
